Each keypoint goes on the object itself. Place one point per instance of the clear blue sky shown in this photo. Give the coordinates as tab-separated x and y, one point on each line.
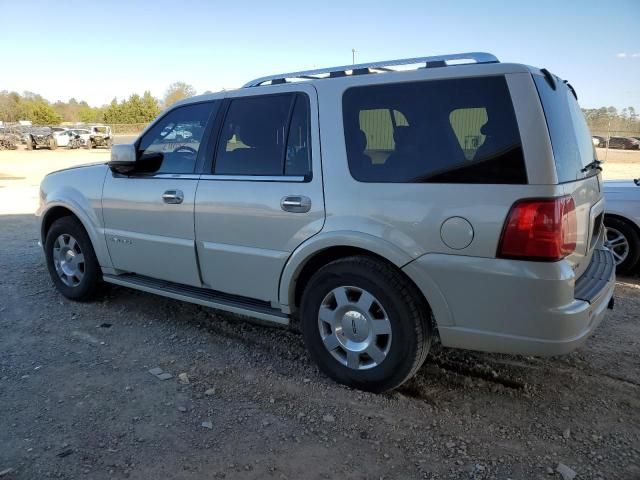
100	50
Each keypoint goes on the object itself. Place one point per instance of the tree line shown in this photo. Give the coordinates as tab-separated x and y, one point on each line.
135	109
605	120
144	108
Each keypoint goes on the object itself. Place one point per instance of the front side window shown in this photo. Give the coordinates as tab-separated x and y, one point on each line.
172	144
266	135
438	131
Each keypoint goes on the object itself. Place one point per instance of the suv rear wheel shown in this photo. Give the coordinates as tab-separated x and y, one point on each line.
71	260
364	324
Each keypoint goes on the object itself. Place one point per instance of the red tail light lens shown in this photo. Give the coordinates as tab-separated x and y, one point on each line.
539	229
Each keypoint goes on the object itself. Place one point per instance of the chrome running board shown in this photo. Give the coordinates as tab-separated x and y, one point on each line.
202	296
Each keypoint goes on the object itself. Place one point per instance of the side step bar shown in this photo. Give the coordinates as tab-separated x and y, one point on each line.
202	296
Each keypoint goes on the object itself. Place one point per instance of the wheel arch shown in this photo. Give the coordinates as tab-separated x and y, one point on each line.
57	210
53	214
622	218
309	258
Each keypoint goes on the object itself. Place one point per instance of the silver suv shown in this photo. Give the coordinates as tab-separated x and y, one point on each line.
377	206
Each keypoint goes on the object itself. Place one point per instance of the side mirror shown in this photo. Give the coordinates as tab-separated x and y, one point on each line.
123	158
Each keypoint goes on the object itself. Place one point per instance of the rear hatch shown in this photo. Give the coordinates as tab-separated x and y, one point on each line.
576	164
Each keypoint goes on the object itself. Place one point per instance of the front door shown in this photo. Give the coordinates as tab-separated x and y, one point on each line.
148	215
263	195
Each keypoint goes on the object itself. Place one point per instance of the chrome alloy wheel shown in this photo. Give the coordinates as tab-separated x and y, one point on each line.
618	244
68	260
354	327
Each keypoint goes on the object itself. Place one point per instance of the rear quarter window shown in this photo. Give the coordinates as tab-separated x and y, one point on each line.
570	137
437	131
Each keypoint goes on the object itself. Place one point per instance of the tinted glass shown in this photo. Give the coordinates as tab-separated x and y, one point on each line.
568	130
172	144
298	161
254	136
440	131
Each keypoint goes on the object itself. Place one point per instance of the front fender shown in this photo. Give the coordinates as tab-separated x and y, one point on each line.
83	198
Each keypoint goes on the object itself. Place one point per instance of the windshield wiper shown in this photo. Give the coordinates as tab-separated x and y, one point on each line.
595	165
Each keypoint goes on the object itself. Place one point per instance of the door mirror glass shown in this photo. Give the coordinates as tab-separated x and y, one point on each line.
123	158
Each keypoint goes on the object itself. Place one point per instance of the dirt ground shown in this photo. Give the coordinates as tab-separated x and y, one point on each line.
77	399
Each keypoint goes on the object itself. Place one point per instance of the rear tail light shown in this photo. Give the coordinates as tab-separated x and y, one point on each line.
539	229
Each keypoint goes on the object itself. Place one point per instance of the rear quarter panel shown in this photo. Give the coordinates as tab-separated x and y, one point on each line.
410	216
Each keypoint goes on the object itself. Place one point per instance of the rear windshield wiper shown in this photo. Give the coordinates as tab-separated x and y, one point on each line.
595	165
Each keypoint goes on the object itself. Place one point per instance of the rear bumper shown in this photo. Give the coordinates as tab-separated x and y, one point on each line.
509	306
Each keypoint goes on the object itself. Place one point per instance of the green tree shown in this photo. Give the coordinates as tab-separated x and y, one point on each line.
135	109
177	91
38	111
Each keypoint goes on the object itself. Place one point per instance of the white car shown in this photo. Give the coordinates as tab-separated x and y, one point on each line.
85	136
622	219
61	136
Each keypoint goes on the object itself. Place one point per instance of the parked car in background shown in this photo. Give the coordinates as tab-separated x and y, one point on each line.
61	136
100	136
8	139
624	143
599	141
85	136
334	201
622	219
41	137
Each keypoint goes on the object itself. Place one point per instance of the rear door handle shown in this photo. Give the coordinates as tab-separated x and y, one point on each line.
173	196
295	204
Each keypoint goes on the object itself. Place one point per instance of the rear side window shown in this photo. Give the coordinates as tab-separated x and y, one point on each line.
438	131
570	136
265	136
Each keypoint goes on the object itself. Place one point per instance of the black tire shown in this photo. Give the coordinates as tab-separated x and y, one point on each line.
632	238
406	311
92	274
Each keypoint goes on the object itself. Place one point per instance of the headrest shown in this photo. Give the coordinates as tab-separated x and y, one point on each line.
254	134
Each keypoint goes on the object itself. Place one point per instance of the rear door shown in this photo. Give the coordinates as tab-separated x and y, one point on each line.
262	195
573	153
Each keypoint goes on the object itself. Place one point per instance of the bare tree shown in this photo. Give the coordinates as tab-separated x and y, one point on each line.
177	91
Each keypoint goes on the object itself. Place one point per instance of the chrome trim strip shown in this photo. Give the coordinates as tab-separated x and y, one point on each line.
181	176
253	178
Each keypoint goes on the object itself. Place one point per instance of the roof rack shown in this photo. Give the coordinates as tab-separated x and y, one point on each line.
385	66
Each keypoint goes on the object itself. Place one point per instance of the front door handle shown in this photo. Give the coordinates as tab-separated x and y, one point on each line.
173	196
296	204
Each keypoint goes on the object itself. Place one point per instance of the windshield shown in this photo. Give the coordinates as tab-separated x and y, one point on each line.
571	140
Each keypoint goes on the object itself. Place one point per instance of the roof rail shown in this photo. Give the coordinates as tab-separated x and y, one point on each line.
385	66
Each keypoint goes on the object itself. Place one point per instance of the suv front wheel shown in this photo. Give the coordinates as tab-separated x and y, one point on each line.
71	260
364	324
